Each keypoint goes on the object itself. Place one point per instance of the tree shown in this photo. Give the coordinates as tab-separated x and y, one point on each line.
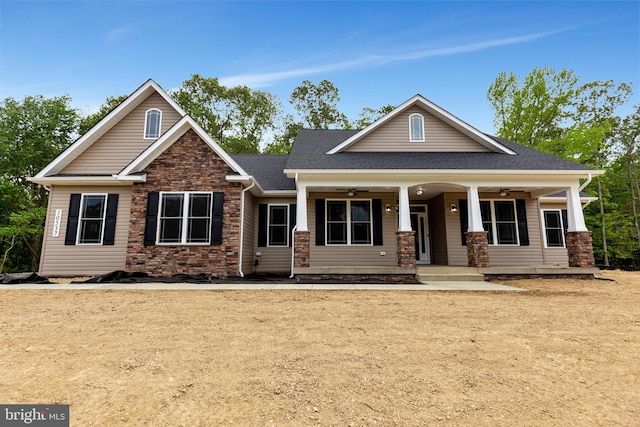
553	113
32	133
283	140
91	120
238	118
317	105
370	115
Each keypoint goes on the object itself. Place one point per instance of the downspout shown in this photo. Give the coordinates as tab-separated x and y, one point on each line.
582	187
293	237
253	183
587	182
293	248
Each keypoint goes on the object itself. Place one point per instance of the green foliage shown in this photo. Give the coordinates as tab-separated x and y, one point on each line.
283	140
370	115
32	133
238	118
91	120
317	105
551	112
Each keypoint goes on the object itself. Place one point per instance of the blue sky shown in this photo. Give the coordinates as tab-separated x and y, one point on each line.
376	53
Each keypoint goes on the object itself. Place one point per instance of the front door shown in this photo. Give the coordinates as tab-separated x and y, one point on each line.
420	225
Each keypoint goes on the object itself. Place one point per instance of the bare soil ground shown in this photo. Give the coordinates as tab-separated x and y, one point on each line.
564	353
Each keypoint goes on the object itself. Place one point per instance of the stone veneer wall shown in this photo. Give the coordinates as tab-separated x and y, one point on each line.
188	165
301	249
477	248
580	249
406	248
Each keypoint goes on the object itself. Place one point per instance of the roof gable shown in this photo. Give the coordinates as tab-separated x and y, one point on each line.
466	133
107	123
167	139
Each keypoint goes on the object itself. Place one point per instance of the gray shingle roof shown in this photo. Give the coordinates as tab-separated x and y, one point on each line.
311	145
267	169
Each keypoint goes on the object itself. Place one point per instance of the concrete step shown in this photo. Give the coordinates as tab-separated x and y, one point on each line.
449	277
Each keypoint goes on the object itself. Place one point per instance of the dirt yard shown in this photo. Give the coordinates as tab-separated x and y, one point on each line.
563	353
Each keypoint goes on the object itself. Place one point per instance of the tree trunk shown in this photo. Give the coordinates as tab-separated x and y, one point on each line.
602	226
635	192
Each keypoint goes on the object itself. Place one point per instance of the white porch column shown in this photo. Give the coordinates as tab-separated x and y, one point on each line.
473	208
301	209
403	210
575	217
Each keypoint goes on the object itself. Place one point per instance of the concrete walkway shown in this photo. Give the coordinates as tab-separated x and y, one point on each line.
431	286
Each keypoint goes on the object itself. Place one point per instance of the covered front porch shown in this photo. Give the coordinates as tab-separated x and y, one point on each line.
441	223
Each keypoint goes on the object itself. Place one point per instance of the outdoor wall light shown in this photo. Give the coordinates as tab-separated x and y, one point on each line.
454	208
387	207
419	191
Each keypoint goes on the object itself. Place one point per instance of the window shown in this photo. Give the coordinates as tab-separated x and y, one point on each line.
499	220
278	225
416	128
348	222
152	122
553	228
92	219
185	218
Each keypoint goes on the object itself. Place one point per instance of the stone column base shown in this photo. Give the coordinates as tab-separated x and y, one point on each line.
477	249
301	248
406	248
580	249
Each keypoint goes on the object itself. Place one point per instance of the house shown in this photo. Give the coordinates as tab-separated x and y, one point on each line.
147	190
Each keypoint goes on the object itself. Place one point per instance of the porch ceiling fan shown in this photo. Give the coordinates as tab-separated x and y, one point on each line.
351	191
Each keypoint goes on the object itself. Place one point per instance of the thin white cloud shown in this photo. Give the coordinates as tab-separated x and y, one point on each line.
115	35
267	79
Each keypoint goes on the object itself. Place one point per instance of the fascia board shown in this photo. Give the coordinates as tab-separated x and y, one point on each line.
437	111
107	122
472	172
87	180
171	136
564	199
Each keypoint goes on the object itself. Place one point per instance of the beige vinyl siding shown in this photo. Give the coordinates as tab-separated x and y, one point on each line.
276	259
60	260
499	256
553	256
438	230
124	142
332	256
249	236
439	136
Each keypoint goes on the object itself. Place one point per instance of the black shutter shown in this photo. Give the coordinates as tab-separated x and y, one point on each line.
216	221
376	205
262	225
151	220
523	230
72	219
464	220
319	222
110	222
292	220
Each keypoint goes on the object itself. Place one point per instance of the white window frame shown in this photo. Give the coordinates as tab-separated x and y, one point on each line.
185	219
544	228
146	123
494	227
81	218
412	137
269	225
348	221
